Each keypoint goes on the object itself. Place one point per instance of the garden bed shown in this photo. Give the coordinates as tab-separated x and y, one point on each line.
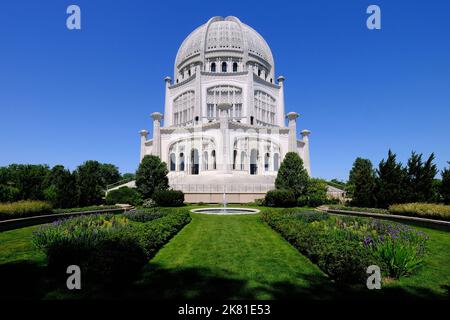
343	247
109	248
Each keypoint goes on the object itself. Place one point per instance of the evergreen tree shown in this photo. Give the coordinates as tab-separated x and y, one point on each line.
445	185
151	176
90	183
62	188
390	182
292	175
420	179
426	184
361	183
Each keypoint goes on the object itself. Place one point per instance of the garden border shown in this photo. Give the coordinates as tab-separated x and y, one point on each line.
11	224
426	221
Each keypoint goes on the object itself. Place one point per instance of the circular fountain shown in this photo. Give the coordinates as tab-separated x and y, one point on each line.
225	211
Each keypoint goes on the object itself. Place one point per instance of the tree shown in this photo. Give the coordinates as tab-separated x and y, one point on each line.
315	195
445	185
129	176
110	174
25	181
420	179
292	175
62	188
124	195
151	176
361	183
90	183
390	182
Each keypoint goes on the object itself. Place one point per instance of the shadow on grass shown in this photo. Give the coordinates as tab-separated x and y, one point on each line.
206	284
24	280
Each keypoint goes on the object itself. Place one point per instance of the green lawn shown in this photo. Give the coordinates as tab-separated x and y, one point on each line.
223	257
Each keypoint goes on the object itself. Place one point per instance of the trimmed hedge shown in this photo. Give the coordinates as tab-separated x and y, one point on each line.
108	248
124	195
24	208
82	209
280	198
168	198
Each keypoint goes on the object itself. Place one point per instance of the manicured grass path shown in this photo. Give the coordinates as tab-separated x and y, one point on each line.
232	257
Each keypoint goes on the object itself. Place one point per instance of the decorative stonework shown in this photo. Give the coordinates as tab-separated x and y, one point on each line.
224	117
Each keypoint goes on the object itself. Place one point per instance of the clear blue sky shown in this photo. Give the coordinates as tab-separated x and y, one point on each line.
69	96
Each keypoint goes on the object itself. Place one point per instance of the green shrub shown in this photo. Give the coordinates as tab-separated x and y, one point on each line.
84	209
315	195
145	215
108	248
124	195
105	247
149	203
24	208
423	210
155	233
8	193
280	198
344	247
168	198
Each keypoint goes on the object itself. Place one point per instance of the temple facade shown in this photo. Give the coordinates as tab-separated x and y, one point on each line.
224	127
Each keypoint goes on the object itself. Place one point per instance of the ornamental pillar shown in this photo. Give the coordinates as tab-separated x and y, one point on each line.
305	134
143	134
292	124
156	149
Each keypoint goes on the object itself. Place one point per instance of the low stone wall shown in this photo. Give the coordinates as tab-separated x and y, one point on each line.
236	197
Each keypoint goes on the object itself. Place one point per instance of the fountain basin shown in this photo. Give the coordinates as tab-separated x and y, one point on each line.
225	211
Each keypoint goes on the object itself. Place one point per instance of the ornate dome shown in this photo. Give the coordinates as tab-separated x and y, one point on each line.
225	37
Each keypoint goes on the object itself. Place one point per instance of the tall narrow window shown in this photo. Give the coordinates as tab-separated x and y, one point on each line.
235	67
253	161
213	159
172	162
251	120
213	67
194	161
181	166
224	67
205	160
234	159
266	162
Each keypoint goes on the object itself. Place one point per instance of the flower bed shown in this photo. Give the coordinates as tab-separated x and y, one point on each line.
343	247
423	210
107	247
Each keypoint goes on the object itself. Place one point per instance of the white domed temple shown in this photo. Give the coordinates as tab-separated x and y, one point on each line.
224	123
